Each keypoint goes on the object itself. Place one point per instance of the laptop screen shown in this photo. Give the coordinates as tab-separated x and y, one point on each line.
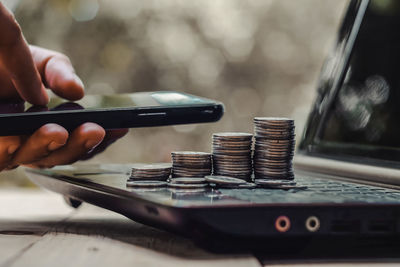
357	112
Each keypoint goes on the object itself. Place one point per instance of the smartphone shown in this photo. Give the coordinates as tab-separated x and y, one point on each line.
142	109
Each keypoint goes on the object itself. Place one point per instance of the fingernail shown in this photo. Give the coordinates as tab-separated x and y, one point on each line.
54	145
79	81
11	149
91	144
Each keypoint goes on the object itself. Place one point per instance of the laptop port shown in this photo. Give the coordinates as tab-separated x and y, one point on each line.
282	224
381	226
313	224
345	226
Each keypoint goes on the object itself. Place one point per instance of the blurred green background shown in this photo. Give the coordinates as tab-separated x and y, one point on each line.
259	57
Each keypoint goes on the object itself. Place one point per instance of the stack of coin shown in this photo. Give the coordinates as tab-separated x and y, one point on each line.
155	171
191	164
274	148
232	155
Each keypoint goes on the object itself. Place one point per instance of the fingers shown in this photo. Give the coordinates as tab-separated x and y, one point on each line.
57	73
46	139
16	60
25	67
50	146
8	146
110	137
81	141
7	92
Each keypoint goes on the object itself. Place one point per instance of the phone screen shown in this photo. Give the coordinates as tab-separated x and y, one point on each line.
106	102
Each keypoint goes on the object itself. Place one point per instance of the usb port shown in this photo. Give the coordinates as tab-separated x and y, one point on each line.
345	226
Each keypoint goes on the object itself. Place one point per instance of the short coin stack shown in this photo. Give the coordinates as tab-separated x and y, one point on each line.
154	172
232	155
190	164
274	148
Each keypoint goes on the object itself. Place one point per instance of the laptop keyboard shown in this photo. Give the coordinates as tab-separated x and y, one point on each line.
318	190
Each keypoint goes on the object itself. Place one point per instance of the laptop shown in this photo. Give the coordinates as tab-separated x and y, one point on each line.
348	158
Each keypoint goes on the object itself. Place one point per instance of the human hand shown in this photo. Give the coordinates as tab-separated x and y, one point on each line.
25	72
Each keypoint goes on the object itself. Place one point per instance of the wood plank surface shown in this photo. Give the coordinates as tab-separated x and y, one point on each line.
40	230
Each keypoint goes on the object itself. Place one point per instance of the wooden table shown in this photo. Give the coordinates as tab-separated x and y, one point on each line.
37	228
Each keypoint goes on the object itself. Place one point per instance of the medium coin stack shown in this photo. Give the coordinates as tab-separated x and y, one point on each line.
232	155
190	164
274	148
155	171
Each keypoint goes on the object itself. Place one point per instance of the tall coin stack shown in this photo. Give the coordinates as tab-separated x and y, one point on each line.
190	164
232	155
274	148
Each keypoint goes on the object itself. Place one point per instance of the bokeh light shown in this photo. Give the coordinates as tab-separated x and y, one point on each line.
259	57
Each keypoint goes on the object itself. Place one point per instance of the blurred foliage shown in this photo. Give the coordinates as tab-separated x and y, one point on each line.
259	57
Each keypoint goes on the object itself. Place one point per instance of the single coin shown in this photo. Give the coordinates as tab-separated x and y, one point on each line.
272	119
233	135
152	178
218	179
148	183
186	169
152	166
190	153
187	186
181	192
188	180
144	190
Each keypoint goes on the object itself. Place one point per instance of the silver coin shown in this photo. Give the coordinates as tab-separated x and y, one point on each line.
150	173
152	166
187	186
190	153
232	135
218	179
191	173
144	190
188	180
161	178
232	142
148	183
187	192
176	171
278	119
